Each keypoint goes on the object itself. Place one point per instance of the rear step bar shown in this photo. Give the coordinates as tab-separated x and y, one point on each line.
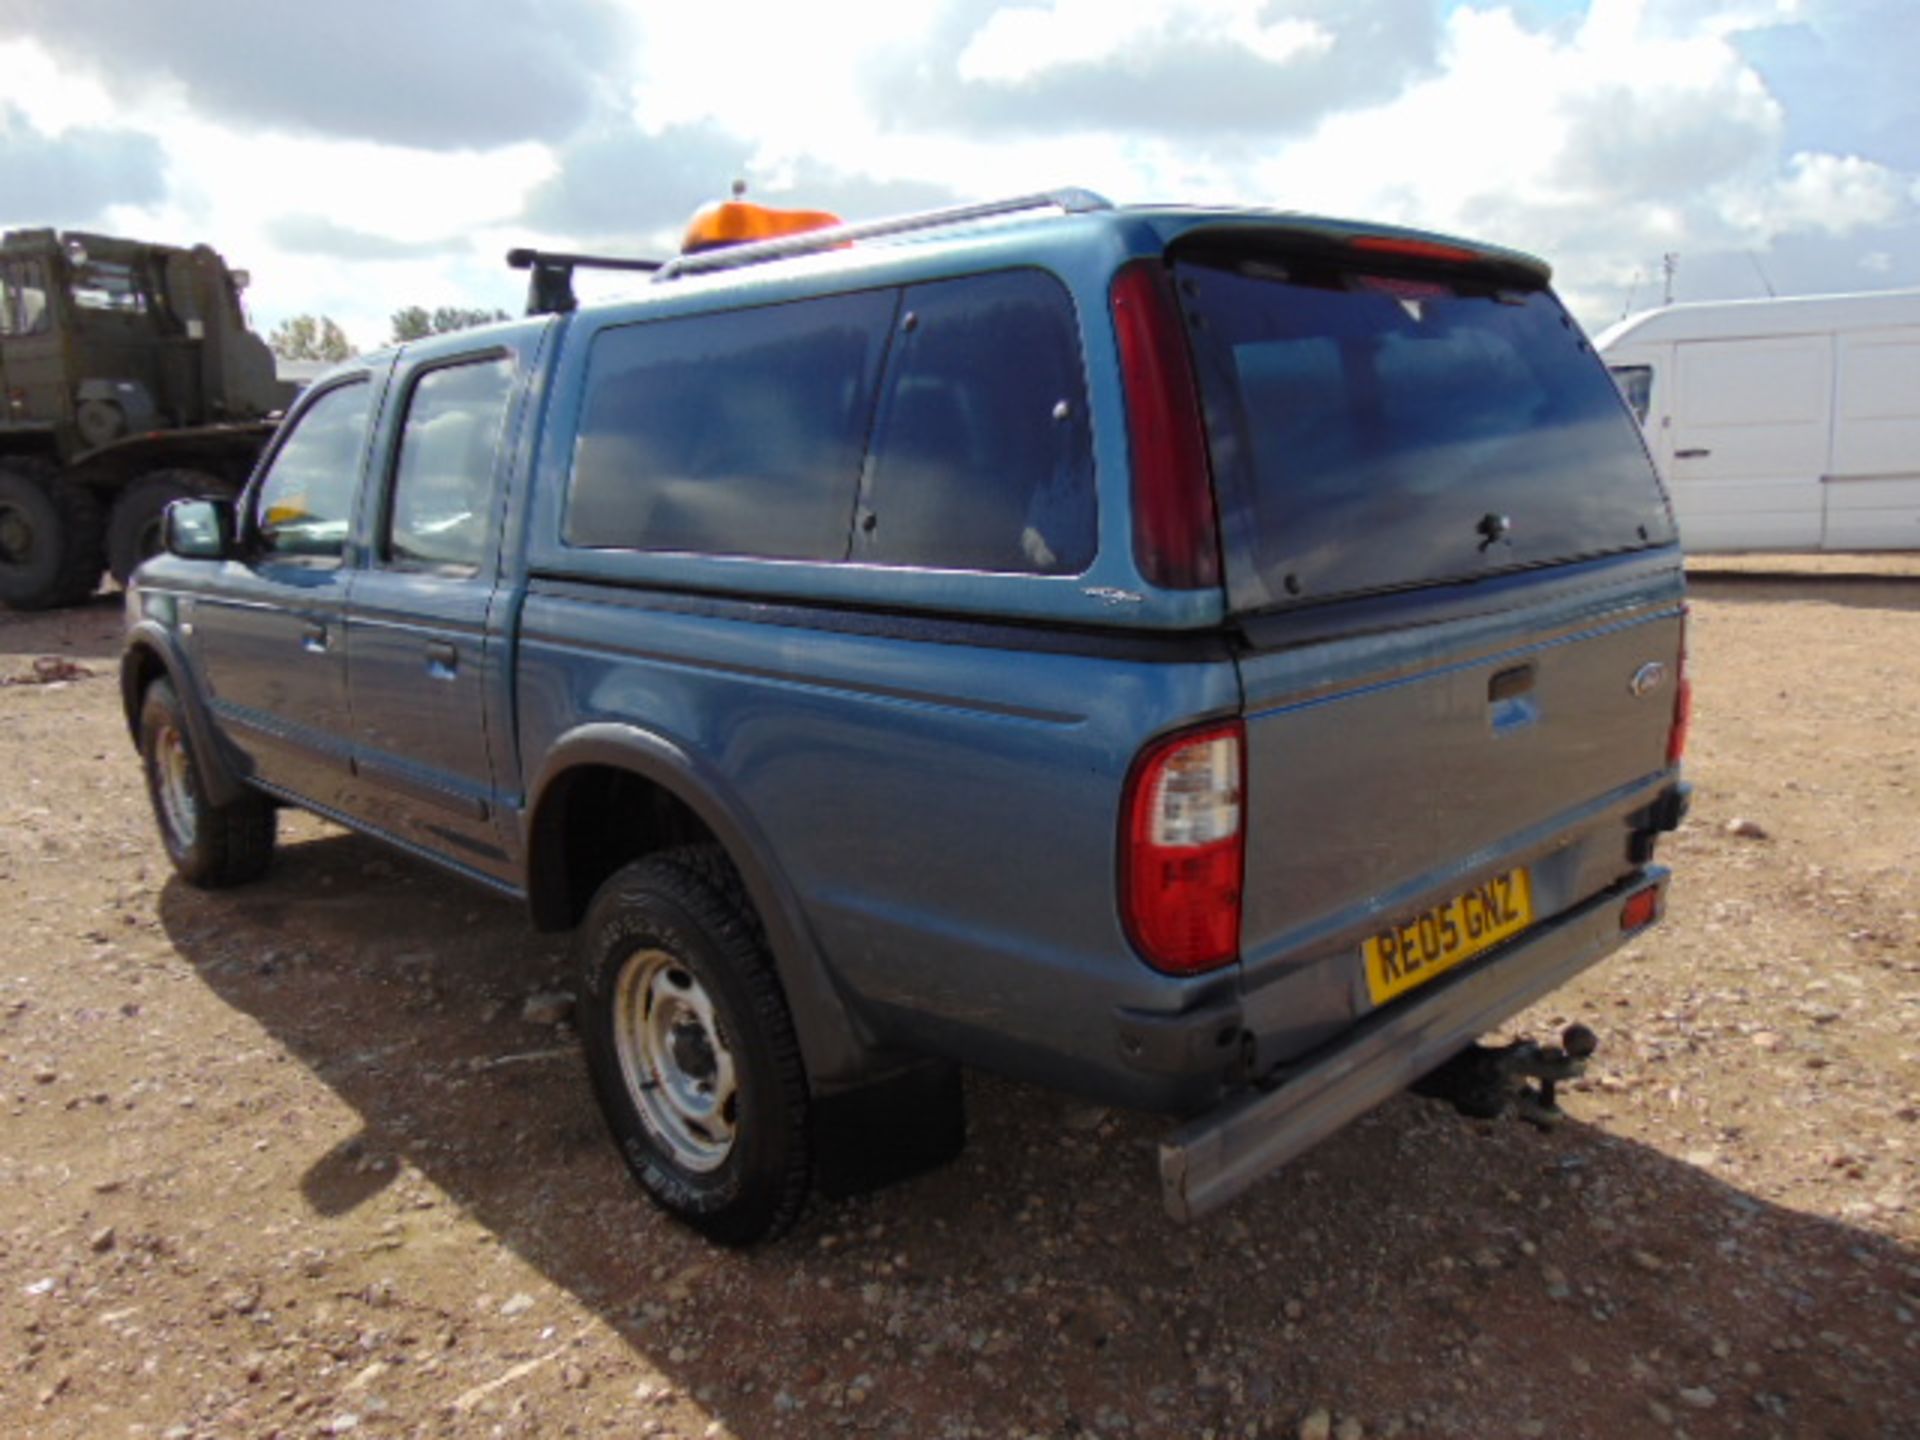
1216	1156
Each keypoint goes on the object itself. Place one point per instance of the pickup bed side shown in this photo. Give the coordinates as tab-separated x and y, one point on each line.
943	802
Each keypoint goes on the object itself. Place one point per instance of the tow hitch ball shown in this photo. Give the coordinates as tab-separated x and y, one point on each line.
1485	1081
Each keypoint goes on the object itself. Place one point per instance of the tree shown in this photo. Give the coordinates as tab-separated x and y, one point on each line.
311	337
416	322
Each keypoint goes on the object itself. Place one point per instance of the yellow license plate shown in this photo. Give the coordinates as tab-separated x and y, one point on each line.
1434	941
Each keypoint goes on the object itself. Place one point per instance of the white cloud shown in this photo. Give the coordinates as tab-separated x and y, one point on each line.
53	100
784	75
1834	193
1600	140
431	73
1022	42
1601	148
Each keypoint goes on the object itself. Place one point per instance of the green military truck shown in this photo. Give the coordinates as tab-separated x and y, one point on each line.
128	380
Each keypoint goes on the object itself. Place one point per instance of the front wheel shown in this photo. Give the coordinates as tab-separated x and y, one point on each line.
691	1047
211	846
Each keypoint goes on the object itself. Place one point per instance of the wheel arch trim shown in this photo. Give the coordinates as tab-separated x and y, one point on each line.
837	1046
150	643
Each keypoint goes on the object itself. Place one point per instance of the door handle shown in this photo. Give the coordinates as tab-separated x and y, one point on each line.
313	639
1691	454
1510	684
442	658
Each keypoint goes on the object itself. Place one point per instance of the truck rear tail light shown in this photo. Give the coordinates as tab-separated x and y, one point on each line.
1176	541
1183	850
1682	703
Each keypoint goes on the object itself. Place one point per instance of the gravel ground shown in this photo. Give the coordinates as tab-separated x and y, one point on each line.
294	1160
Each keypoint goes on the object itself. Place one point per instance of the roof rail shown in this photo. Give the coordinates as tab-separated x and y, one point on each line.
550	286
1072	200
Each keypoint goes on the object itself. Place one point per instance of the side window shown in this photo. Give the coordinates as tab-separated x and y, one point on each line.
731	434
306	498
23	307
443	479
982	454
108	285
1636	384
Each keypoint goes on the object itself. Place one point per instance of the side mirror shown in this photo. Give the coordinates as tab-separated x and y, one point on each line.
199	529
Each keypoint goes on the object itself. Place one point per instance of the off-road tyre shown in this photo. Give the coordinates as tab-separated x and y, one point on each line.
50	540
212	847
133	529
685	912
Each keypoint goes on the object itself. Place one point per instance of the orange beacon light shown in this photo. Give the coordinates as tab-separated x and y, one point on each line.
737	221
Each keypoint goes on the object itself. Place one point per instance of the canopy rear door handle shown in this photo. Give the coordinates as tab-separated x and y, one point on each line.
1691	454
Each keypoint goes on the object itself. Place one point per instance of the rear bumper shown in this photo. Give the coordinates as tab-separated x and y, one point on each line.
1213	1158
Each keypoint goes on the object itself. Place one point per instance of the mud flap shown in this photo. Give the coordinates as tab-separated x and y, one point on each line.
888	1130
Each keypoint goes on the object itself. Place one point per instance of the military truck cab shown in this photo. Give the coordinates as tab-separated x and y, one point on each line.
130	380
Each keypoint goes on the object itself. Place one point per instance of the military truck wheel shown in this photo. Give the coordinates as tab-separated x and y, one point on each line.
691	1048
49	538
211	846
133	531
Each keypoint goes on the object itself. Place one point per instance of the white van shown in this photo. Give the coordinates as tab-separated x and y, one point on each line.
1789	424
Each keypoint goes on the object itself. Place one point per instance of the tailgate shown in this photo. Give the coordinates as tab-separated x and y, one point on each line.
1456	572
1392	772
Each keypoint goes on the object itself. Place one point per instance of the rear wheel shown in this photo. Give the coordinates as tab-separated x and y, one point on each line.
133	532
691	1047
49	537
211	846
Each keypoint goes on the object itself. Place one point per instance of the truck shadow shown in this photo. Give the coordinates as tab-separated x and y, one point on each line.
94	626
1859	589
1398	1272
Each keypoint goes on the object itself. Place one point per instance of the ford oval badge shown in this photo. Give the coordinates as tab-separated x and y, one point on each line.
1648	678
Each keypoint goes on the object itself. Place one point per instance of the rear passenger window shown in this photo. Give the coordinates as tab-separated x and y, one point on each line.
443	479
731	434
982	456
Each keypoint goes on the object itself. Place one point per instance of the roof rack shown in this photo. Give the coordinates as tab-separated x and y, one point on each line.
550	286
1072	200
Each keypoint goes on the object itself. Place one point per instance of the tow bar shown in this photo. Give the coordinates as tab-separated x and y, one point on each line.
1485	1081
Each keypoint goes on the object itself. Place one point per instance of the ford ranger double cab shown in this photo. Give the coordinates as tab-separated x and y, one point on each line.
1219	662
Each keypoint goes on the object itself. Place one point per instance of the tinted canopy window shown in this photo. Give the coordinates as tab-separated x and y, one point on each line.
981	456
1372	432
733	434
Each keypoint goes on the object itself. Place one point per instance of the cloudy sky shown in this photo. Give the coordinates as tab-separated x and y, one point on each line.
361	155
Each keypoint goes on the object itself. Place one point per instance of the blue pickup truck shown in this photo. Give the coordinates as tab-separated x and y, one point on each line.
1218	662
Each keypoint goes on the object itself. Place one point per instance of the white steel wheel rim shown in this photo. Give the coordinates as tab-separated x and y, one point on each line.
674	1059
173	785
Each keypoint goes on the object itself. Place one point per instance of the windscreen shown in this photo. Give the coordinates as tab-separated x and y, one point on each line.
1373	432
